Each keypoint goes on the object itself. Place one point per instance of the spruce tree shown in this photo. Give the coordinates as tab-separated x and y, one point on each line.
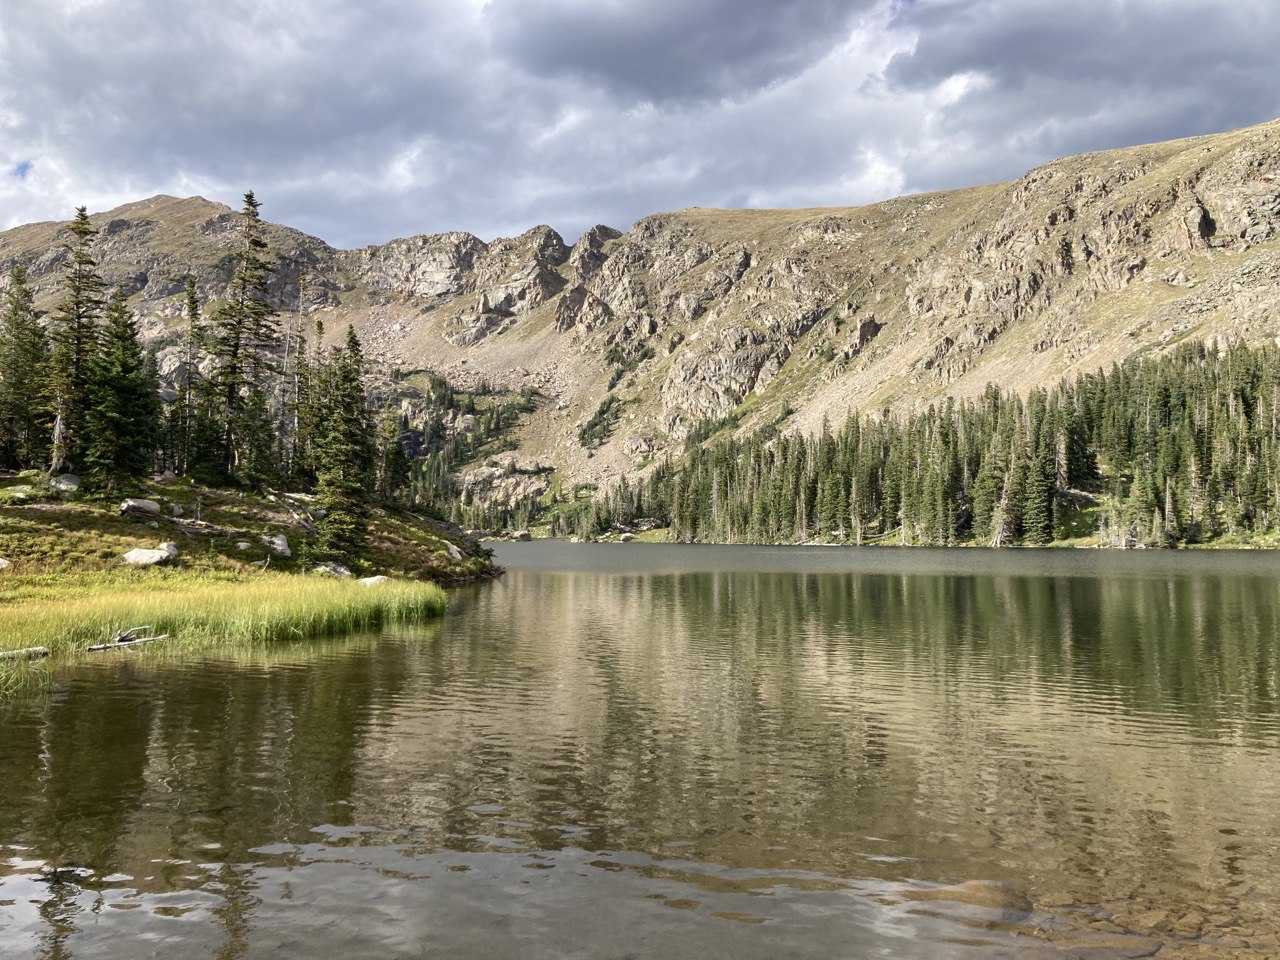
75	342
24	375
343	457
123	415
242	332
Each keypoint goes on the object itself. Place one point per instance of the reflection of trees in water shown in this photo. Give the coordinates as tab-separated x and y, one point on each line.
981	725
136	768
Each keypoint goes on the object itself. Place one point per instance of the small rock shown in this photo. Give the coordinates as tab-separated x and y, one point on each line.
522	535
243	545
154	525
136	505
141	557
170	548
67	483
278	544
5	565
373	581
175	509
627	537
331	569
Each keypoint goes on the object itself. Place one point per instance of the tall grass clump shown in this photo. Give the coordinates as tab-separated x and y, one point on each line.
256	611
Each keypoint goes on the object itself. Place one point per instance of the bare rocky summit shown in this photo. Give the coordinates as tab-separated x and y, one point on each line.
773	315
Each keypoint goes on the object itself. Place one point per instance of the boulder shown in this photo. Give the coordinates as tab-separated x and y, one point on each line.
278	544
522	535
5	565
454	553
331	569
373	581
627	537
67	483
141	557
175	509
170	548
137	505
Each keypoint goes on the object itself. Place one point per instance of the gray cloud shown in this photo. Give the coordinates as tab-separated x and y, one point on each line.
359	122
671	50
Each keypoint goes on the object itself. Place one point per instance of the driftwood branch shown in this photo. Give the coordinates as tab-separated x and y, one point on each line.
26	653
124	644
126	638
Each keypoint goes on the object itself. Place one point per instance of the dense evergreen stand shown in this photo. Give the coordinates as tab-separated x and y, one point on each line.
85	397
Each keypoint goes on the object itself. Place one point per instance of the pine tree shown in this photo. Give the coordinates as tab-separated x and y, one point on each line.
123	416
343	457
75	342
391	465
24	374
241	339
1038	494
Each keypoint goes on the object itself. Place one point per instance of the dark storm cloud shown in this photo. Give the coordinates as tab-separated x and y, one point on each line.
671	50
359	122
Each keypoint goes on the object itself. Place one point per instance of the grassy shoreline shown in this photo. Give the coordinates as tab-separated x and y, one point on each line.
69	614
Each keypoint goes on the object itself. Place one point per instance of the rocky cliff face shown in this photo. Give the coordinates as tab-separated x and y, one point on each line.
776	316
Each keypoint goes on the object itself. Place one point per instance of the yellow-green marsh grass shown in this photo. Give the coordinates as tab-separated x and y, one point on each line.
193	610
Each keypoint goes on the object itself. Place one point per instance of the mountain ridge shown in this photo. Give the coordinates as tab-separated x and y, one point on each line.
765	316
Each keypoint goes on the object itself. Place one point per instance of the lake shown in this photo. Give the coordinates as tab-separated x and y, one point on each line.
660	751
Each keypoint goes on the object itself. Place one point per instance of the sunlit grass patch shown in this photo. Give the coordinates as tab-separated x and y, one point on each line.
37	612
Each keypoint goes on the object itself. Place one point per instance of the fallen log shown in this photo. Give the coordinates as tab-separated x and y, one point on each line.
26	653
124	644
188	527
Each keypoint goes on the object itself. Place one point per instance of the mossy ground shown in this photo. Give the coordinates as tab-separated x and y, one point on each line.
41	534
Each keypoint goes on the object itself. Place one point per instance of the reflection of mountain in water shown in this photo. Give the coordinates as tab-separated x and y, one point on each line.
1110	742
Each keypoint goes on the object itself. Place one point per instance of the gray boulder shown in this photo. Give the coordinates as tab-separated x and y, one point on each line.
141	557
5	565
373	581
67	483
170	548
138	505
278	544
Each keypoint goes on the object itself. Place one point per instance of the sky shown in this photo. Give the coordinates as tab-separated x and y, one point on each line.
360	122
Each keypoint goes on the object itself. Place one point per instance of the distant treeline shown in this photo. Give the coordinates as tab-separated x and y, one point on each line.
1181	448
249	401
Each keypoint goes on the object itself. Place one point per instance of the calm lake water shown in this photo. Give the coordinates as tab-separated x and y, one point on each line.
654	751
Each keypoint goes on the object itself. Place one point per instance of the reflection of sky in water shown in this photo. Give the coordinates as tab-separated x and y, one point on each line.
730	763
321	900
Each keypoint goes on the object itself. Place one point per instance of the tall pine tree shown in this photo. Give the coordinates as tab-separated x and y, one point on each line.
24	378
122	419
75	343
